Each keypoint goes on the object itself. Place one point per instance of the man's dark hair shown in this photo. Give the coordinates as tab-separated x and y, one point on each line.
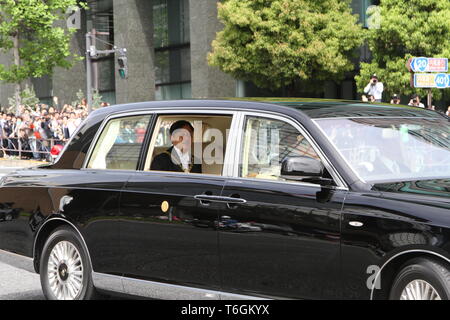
180	124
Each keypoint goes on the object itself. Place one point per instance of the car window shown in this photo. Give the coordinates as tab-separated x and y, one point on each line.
266	143
392	149
189	144
119	144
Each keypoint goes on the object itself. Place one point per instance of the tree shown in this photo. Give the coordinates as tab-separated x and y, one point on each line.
27	28
27	97
408	28
274	43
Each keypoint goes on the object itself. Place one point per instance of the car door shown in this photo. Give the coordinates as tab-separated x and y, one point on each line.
169	228
94	194
279	238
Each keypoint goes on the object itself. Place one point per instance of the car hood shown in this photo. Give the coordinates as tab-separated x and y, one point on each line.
433	188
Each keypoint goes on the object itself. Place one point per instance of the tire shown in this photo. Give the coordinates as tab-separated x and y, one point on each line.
422	279
65	268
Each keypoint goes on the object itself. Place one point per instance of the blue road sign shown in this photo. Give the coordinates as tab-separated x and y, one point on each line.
432	80
423	64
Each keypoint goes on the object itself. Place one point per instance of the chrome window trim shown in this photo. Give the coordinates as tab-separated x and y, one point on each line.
151	112
159	290
341	184
233	152
70	139
232	159
376	117
99	132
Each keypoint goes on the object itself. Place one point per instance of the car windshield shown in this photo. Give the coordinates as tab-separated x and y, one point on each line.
392	149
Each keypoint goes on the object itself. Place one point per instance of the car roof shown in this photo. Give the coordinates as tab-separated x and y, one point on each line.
313	108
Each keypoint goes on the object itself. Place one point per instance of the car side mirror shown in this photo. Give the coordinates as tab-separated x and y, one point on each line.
300	168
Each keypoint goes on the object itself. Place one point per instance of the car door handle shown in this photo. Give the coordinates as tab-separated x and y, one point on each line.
204	197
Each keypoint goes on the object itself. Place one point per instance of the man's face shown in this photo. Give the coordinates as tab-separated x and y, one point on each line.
182	138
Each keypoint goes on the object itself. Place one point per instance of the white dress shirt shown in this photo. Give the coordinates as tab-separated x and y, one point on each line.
185	158
376	90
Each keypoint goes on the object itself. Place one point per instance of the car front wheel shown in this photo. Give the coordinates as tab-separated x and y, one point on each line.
422	279
65	269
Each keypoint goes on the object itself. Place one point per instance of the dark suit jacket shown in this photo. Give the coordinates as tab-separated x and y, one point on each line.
168	161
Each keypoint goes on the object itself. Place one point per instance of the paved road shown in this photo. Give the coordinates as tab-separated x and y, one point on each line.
5	170
21	282
18	283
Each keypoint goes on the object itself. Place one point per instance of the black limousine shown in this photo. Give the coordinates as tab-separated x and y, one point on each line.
231	199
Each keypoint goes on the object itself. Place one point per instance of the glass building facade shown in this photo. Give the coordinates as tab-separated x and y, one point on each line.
180	41
171	36
100	21
360	8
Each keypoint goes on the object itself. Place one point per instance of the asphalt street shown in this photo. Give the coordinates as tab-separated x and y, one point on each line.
18	284
17	279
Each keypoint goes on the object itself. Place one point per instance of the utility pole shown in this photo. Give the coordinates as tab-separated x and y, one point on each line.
91	55
89	71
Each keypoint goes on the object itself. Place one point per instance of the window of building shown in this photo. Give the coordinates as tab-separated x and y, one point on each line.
363	9
101	25
120	144
43	88
172	49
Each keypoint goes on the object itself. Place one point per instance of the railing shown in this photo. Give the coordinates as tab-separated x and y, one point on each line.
31	148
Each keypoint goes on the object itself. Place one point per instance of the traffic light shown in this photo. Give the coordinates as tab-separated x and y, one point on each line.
123	67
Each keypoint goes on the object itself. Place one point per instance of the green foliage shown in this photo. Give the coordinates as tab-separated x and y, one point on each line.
408	28
80	96
28	99
96	100
273	43
42	44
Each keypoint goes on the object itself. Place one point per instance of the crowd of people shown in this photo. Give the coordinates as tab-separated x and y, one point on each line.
374	90
35	130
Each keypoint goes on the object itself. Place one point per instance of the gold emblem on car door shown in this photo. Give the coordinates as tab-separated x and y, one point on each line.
164	206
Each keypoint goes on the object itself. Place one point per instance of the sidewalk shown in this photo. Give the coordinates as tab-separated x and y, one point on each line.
16	163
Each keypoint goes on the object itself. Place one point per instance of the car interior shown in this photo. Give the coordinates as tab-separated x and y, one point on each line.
119	145
209	141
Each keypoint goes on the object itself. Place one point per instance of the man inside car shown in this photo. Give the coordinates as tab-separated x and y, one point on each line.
179	157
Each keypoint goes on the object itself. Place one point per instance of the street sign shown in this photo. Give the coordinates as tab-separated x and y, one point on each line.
428	64
432	80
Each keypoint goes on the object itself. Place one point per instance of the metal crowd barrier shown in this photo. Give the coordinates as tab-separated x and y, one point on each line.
29	147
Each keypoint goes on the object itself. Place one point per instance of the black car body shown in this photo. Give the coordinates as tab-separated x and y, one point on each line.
227	236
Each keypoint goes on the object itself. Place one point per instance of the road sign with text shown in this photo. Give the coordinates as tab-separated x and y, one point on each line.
432	80
428	64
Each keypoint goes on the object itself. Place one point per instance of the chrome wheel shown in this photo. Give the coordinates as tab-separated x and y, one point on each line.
419	290
65	271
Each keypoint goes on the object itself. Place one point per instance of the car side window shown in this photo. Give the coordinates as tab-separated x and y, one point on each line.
193	143
119	144
266	143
